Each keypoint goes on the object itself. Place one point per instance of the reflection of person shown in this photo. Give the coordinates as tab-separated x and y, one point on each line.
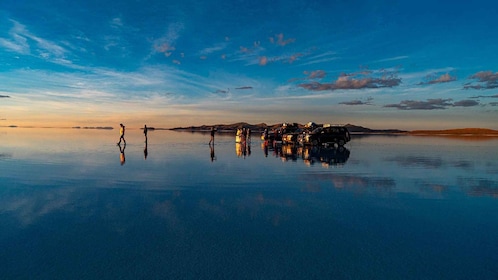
146	153
122	157
212	135
121	134
213	157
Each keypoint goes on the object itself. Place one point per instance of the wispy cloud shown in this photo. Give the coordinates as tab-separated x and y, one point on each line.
166	44
392	58
320	58
278	39
24	42
212	49
485	96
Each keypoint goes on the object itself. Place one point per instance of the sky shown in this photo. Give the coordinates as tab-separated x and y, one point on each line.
379	64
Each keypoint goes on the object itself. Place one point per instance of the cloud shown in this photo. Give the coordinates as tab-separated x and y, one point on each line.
347	81
321	58
466	103
430	104
358	102
222	91
435	79
485	96
263	60
164	48
392	58
355	102
22	41
215	48
485	80
294	57
279	40
166	43
244	87
317	74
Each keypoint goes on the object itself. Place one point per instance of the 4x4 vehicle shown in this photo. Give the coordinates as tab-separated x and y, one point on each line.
328	134
290	133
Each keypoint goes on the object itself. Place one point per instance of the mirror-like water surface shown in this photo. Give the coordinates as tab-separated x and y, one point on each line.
73	205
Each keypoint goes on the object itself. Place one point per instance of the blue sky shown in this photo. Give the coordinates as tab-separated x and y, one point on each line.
379	64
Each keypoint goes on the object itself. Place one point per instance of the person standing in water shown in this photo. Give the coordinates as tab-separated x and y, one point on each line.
145	148
145	132
121	134
212	135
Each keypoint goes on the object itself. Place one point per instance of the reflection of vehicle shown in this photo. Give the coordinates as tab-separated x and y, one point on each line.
329	155
289	152
325	135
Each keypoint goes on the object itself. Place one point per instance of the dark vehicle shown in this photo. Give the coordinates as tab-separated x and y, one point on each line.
328	134
290	133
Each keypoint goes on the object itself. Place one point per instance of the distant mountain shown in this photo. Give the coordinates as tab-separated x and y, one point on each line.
261	127
361	129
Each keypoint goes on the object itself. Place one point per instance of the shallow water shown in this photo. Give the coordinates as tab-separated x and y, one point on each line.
386	207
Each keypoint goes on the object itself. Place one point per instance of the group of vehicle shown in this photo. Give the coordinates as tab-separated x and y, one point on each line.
310	134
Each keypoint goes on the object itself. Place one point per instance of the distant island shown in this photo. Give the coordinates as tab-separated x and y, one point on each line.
93	127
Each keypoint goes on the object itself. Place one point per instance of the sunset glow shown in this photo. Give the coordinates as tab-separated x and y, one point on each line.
382	64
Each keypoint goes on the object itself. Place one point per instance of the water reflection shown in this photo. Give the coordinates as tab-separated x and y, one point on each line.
243	149
309	154
479	187
193	218
122	157
212	155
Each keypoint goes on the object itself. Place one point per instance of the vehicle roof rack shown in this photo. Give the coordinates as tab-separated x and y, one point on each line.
331	125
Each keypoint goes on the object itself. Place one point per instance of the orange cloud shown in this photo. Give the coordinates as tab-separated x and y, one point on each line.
263	60
165	48
433	79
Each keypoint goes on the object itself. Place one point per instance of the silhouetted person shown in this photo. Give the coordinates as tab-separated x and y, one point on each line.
122	157
212	135
145	132
121	134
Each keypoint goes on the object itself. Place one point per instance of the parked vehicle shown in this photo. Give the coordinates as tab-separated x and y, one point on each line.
328	134
290	133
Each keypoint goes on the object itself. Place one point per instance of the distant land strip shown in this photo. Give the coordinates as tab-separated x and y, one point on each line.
460	131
